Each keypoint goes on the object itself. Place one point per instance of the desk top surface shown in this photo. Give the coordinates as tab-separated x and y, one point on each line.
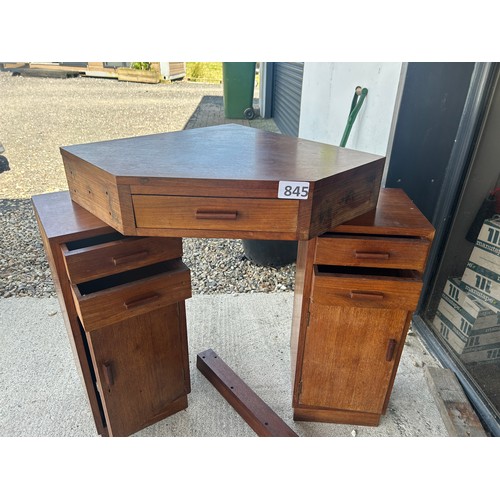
395	214
225	152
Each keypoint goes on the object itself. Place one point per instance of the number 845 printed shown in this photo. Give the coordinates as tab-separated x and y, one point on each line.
293	190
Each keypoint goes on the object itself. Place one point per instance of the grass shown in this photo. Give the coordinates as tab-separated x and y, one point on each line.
207	72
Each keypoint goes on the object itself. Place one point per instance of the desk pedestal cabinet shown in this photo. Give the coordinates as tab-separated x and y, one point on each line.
355	291
123	304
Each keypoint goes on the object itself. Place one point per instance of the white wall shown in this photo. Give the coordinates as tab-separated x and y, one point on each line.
327	91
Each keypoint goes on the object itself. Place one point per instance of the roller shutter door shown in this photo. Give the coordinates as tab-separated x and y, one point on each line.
287	91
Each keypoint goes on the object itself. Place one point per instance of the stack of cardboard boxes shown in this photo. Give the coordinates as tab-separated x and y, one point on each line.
468	315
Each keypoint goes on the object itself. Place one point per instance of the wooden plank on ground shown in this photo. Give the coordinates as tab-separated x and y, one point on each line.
457	413
256	413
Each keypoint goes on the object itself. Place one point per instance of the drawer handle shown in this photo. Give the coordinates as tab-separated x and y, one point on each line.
371	255
108	374
391	347
367	296
217	215
125	259
140	302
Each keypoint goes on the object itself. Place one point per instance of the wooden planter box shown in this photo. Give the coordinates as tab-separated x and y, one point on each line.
138	75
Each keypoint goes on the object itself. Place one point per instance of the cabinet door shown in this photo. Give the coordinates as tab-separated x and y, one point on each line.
141	366
349	356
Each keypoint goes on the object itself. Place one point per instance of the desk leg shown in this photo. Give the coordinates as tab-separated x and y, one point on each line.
256	413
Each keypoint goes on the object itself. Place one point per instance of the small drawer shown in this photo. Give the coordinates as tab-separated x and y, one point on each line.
217	214
113	253
366	287
372	251
108	300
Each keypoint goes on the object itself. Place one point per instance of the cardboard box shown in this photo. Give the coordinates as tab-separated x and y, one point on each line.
483	354
486	252
447	332
458	333
481	277
490	232
487	256
464	321
482	283
468	315
474	310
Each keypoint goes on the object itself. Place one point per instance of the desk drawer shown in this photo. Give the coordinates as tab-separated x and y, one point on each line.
223	214
394	289
94	258
108	300
372	251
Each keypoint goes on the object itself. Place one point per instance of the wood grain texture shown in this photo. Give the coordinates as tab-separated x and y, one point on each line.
194	187
97	191
55	214
395	214
345	366
183	212
372	251
300	315
140	369
356	289
397	357
95	261
109	305
456	411
335	416
226	152
141	357
216	233
147	178
347	195
366	290
256	413
62	219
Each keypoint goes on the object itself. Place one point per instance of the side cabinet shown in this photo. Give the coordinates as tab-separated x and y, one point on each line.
123	302
356	290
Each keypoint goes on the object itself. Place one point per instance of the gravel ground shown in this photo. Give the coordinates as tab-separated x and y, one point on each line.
38	115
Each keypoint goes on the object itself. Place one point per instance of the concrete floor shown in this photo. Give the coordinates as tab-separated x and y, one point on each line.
42	394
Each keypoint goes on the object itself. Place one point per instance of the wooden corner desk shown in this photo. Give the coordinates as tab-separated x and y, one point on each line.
114	245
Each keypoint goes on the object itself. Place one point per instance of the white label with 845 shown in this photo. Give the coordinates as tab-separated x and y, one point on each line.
292	190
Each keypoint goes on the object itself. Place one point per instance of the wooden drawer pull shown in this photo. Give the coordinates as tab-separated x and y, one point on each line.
216	215
366	295
108	374
371	255
125	259
391	347
141	302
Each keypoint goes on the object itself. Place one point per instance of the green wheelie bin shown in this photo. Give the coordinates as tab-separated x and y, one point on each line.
238	81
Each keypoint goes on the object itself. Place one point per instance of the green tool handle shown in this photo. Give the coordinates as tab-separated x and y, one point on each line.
355	107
